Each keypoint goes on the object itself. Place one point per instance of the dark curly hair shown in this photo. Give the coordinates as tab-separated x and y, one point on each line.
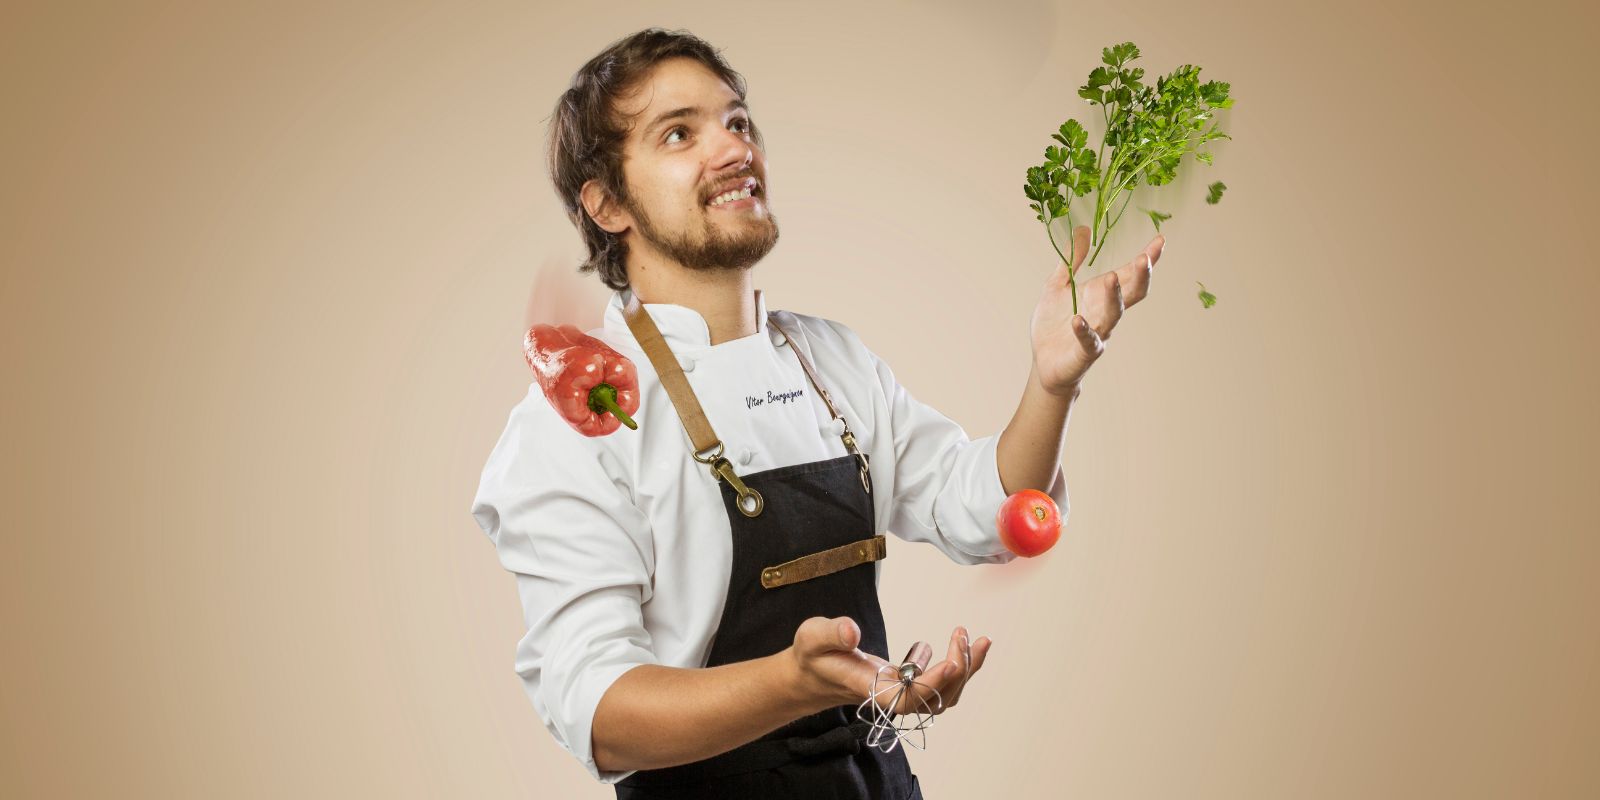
587	136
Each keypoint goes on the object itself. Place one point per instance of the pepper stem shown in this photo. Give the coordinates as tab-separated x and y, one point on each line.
603	398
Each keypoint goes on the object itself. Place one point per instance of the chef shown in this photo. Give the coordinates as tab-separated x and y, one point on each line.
700	594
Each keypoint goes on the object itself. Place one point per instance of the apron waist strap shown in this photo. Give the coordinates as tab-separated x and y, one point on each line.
754	756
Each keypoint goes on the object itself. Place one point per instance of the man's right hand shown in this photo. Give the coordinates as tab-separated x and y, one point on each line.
828	667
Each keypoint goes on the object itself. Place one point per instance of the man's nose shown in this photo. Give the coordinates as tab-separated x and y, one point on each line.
733	151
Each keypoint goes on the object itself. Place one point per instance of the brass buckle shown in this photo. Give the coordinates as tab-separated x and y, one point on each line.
750	503
850	444
724	469
715	450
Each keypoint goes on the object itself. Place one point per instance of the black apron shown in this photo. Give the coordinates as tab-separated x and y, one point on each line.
816	521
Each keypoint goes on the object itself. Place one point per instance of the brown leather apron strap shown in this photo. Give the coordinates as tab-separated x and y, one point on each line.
848	437
671	375
825	562
805	364
707	447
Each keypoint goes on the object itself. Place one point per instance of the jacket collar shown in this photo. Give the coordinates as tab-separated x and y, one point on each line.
682	326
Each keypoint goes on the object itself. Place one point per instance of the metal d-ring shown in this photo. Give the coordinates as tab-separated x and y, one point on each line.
850	444
755	509
715	450
722	470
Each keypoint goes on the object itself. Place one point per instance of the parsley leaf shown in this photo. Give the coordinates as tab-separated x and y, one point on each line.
1156	217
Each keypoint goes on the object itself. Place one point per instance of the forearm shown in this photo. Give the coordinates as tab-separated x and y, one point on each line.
655	716
1029	450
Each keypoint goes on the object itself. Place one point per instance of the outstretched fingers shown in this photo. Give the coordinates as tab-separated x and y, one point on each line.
1135	275
964	659
960	659
936	687
1080	246
1088	339
1112	303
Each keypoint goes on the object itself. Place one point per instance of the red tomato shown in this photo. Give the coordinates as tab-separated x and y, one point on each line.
1029	523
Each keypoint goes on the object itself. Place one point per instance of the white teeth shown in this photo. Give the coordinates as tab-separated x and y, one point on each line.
723	198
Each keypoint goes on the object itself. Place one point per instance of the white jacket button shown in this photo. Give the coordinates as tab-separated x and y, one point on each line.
833	427
778	340
686	363
746	456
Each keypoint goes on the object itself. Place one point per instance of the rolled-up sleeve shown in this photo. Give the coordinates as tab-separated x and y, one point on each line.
947	487
560	514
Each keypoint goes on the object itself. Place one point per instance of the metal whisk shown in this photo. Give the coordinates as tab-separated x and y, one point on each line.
898	679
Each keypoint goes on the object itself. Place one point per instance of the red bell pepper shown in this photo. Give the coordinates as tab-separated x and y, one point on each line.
592	386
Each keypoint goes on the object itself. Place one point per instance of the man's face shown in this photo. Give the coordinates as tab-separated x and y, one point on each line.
691	139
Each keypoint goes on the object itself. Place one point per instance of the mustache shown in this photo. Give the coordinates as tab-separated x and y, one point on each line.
712	192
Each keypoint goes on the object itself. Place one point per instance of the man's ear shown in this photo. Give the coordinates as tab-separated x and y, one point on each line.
603	208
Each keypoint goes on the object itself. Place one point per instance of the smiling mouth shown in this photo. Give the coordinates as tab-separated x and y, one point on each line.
743	202
733	205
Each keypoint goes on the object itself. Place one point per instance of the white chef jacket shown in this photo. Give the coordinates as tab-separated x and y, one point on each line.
621	545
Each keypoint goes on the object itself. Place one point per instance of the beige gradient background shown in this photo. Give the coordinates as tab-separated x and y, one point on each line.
266	270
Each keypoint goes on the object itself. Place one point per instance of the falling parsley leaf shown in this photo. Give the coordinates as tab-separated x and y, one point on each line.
1148	129
1156	217
1214	192
1207	299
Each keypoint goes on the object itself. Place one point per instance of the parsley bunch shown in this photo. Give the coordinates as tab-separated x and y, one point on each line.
1148	131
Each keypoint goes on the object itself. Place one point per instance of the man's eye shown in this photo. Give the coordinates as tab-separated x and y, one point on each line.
745	123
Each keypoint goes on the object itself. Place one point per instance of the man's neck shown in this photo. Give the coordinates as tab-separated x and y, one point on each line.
725	299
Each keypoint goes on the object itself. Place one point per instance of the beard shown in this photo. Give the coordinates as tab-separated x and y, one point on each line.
739	246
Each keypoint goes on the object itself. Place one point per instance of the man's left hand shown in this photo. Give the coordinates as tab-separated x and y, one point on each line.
1066	344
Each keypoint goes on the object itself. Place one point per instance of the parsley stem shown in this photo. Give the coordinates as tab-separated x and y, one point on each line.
1154	156
1113	221
1072	278
1100	154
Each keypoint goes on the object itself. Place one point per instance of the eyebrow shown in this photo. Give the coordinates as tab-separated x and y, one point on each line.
687	111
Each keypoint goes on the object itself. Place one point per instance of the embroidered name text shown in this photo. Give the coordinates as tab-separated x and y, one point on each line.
751	401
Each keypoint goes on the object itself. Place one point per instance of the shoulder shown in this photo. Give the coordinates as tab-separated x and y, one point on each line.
824	333
836	343
538	447
622	344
